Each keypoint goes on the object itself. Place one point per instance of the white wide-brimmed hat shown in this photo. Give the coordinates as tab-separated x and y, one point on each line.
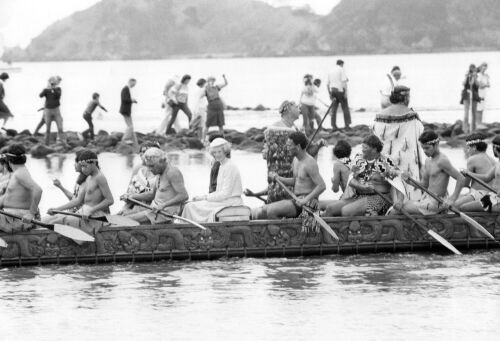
219	141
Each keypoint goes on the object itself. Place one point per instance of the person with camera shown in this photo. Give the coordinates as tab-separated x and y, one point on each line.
51	111
337	88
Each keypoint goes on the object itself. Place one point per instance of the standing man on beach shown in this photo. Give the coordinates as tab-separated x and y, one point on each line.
126	111
337	88
5	113
51	111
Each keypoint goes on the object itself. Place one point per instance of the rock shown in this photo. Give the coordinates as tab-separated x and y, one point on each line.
193	143
41	150
235	137
260	107
258	137
25	132
361	110
103	133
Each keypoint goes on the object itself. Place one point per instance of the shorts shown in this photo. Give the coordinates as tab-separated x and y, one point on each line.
309	223
375	204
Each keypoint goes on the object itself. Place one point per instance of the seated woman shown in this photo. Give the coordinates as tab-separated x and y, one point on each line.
141	181
228	191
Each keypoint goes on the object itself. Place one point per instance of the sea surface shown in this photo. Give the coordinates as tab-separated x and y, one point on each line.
369	297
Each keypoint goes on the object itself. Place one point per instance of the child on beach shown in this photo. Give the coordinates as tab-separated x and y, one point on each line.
87	115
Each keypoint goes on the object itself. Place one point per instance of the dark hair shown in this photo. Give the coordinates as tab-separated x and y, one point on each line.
81	177
185	78
480	146
87	155
317	82
340	62
201	82
149	144
472	68
95	95
132	80
342	149
16	154
374	142
307	81
4	76
394	68
298	138
428	135
496	146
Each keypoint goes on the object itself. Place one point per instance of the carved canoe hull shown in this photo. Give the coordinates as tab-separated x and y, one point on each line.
264	238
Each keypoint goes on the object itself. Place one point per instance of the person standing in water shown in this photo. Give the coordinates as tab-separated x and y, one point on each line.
126	110
180	101
87	116
52	112
215	108
483	80
5	113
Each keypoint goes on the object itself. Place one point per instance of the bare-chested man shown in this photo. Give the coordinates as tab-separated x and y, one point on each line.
436	175
168	195
22	195
478	162
370	171
490	201
94	195
307	182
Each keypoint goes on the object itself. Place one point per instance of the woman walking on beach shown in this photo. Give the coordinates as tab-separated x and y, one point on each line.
87	116
470	98
307	103
215	108
180	101
483	80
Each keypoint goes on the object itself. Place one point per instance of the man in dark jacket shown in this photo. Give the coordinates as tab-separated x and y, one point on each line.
126	111
5	113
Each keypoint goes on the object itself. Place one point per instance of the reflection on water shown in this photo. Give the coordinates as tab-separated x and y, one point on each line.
369	297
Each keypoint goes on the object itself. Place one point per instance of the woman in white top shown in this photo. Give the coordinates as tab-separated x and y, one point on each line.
199	109
307	103
229	188
169	94
180	101
483	80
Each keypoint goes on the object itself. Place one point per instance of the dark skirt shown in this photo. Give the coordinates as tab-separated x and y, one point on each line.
215	114
4	110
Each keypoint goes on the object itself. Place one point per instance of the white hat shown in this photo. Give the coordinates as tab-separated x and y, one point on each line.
154	154
219	141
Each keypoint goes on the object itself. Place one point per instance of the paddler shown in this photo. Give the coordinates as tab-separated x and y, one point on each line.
23	194
307	185
371	170
436	175
169	194
94	196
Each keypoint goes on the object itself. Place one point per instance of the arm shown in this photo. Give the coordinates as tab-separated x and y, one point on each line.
177	181
58	92
27	182
446	166
125	96
225	82
78	201
145	196
359	187
486	177
102	107
42	94
336	177
67	193
286	181
106	192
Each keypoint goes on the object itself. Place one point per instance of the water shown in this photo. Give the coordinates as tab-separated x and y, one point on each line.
435	79
378	297
369	297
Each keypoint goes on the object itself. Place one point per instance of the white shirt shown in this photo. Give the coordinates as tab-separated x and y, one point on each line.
337	78
387	88
308	96
228	182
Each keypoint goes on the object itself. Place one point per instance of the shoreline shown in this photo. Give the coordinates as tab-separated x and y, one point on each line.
252	140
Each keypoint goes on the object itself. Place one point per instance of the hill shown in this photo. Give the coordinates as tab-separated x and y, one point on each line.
158	29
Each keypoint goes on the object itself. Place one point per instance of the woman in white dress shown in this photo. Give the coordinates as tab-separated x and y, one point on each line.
483	80
229	188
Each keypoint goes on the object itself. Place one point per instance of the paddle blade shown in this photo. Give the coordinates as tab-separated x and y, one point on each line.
476	225
188	221
3	243
324	225
73	233
121	220
443	241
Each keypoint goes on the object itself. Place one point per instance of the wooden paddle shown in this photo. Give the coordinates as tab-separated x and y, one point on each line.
3	243
433	234
140	203
479	181
320	124
462	215
310	211
108	218
64	230
249	193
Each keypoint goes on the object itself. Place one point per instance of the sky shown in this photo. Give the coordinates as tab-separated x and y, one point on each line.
22	20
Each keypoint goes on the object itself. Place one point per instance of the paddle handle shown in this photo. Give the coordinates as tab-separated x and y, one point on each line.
252	194
479	181
320	124
286	189
33	221
438	199
73	214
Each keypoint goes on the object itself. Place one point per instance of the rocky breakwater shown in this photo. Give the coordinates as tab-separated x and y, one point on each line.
252	140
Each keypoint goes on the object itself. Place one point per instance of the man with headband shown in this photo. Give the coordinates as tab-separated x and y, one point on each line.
94	196
477	162
169	193
22	195
490	201
435	177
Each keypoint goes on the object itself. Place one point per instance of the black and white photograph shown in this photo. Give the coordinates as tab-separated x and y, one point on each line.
249	170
